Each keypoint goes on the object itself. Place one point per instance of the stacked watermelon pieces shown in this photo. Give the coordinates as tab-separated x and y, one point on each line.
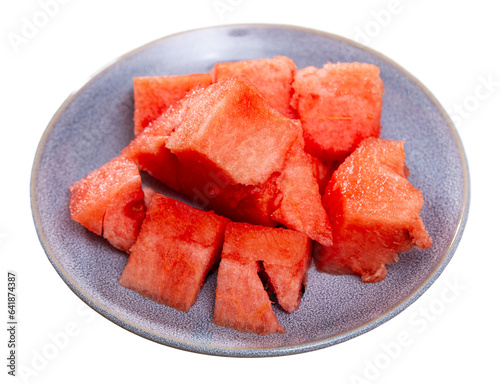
276	160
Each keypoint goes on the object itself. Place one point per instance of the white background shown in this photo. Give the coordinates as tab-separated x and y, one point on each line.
452	47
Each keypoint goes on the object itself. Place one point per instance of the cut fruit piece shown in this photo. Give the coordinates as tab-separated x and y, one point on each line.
273	77
300	207
124	216
154	94
231	128
374	212
282	255
242	302
339	105
109	201
177	247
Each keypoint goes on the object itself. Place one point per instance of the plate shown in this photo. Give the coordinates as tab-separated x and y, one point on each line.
96	122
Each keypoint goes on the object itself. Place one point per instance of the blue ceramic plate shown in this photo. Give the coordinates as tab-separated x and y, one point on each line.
95	123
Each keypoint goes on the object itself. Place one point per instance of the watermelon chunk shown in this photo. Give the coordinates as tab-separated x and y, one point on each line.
231	128
176	248
339	105
273	77
300	207
241	300
110	202
374	212
250	251
154	94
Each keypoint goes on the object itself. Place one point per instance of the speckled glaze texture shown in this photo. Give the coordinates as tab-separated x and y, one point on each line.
95	123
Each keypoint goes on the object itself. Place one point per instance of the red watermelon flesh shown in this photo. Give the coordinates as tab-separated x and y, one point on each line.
195	175
241	301
214	190
154	94
281	254
300	207
148	149
374	211
124	216
273	77
230	127
339	105
176	248
109	201
231	131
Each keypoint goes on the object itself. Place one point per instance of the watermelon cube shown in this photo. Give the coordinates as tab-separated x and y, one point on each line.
300	206
255	258
374	212
176	248
109	201
154	94
339	105
230	127
273	77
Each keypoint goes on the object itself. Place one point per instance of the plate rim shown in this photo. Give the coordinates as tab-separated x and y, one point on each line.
261	351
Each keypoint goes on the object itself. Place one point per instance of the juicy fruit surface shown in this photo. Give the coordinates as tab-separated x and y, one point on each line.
339	105
282	255
154	94
109	201
273	77
374	211
176	248
148	149
232	127
300	207
241	300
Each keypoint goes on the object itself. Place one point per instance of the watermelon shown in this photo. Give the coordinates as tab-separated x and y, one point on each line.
177	247
322	172
109	201
255	258
339	105
300	206
230	127
231	132
209	187
148	150
374	212
154	94
273	77
241	301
